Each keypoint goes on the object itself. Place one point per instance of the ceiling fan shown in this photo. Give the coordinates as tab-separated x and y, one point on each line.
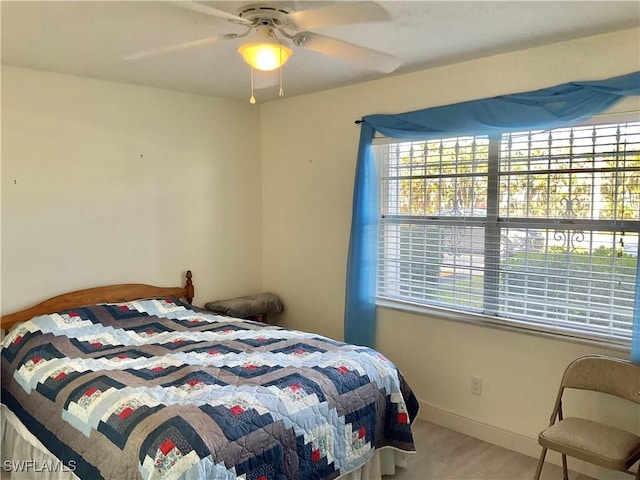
275	25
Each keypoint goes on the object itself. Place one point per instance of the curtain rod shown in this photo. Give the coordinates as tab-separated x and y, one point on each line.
604	114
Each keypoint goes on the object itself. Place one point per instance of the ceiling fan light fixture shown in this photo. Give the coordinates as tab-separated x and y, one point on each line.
265	52
265	57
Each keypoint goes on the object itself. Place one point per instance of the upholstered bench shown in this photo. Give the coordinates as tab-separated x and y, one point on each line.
251	307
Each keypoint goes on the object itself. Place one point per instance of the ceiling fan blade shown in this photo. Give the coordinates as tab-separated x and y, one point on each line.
214	12
339	13
171	48
355	54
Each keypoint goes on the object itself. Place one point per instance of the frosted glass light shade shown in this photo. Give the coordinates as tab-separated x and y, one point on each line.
265	56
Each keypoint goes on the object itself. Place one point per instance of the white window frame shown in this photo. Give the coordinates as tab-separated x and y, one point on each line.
522	326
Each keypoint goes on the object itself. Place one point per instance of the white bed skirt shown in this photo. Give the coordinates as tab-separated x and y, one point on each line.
383	462
20	445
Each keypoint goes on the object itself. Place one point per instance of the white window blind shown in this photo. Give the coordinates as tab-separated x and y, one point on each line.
533	228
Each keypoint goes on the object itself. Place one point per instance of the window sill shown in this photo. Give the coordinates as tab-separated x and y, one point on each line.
516	327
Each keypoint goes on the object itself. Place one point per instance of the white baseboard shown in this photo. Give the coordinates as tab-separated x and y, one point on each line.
509	440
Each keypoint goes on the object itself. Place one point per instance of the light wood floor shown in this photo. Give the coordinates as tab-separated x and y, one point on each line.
443	454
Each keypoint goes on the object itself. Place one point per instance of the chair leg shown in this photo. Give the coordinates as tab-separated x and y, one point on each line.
540	464
565	471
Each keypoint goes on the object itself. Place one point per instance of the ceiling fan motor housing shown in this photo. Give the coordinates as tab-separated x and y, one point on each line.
261	14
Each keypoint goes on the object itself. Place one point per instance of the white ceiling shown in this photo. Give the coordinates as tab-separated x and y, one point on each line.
89	38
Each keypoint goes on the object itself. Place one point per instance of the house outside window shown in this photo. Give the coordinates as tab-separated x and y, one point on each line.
537	230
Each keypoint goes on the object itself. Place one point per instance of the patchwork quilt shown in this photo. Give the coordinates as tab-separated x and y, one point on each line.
157	389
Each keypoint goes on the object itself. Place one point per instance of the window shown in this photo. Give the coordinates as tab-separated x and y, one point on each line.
536	229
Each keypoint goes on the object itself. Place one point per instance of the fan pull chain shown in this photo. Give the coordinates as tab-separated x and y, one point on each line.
252	100
281	92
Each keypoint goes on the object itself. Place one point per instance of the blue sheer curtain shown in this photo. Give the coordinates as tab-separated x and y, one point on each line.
362	264
635	335
540	109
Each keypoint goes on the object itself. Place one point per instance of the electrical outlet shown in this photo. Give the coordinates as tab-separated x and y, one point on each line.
476	386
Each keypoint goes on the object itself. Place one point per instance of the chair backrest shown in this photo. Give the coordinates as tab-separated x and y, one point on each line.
604	374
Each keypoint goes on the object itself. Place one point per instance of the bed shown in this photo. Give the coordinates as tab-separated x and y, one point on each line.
133	382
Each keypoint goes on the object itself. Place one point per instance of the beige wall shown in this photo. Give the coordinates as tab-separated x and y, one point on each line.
309	146
109	183
105	182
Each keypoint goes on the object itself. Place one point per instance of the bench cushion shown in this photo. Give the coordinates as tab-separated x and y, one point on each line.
248	306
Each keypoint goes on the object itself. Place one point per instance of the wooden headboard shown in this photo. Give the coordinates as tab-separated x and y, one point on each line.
124	292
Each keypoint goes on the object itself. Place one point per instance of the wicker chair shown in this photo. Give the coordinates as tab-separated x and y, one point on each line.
585	439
